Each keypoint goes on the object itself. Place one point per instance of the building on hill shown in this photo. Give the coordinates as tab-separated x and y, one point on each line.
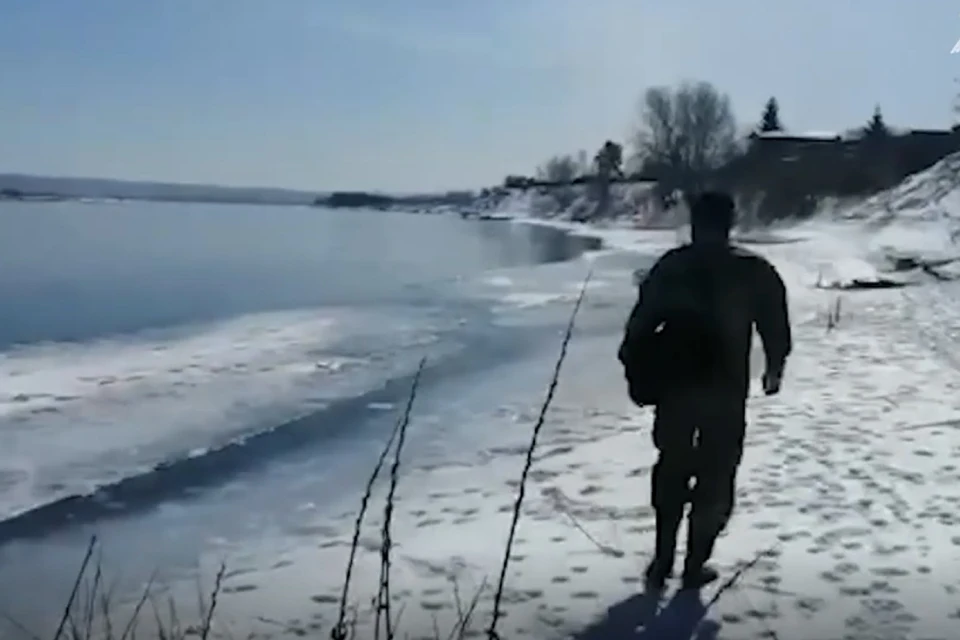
810	136
911	150
788	172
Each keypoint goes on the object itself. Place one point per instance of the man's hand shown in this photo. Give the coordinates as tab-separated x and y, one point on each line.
772	381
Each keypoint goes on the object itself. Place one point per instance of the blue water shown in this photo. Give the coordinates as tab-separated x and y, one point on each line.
77	272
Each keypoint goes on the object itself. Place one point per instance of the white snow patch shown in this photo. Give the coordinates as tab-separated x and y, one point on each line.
499	281
534	299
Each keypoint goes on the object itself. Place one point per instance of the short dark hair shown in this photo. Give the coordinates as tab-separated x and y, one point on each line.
713	211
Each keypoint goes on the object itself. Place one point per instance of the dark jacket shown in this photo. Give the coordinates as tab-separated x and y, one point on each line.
747	291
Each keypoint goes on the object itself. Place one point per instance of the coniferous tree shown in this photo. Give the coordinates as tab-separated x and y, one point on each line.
881	171
771	117
876	128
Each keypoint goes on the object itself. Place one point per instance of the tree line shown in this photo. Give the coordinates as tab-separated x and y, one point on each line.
684	135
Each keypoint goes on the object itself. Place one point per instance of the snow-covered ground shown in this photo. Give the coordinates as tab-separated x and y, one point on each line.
848	501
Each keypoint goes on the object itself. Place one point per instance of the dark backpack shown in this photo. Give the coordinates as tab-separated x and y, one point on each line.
686	348
642	356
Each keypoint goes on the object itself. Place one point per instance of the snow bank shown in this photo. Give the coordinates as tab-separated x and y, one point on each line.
905	235
920	217
634	202
928	195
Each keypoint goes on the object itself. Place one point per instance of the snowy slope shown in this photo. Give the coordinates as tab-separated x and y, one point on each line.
919	217
909	234
632	201
929	195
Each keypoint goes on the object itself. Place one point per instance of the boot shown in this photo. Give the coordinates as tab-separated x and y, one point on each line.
661	567
701	538
695	578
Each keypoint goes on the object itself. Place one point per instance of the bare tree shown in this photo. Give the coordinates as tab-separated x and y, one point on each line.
685	133
583	163
559	169
562	170
609	159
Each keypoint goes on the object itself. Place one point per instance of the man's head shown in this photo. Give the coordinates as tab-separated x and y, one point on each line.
711	217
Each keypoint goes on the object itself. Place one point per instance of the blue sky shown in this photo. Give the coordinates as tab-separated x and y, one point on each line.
431	94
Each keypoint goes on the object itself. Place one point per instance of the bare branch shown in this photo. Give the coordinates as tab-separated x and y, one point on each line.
386	544
528	463
685	133
339	631
76	586
208	618
129	630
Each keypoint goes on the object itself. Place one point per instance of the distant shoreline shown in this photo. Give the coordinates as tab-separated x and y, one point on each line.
385	204
16	187
56	198
30	188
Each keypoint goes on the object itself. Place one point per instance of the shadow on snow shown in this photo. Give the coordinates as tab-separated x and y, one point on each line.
640	617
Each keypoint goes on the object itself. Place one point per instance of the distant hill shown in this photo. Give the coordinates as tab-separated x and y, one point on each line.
29	185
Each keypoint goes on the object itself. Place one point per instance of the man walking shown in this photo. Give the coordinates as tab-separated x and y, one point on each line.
686	350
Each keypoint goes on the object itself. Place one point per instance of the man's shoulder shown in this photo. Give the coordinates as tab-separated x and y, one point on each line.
688	252
751	258
671	261
679	254
758	270
681	259
742	252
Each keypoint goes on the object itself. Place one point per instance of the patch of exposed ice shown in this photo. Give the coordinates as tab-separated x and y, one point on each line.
75	416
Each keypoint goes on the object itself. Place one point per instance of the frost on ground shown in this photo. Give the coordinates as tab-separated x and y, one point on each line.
847	504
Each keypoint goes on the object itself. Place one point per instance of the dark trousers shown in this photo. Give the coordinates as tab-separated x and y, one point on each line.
700	446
